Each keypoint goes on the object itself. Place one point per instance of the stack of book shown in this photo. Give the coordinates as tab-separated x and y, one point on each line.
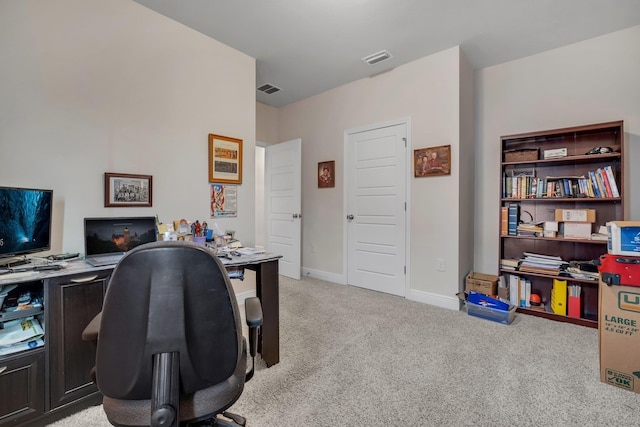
530	229
542	264
509	264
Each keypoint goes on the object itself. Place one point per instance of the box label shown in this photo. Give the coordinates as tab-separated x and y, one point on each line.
630	239
619	379
629	301
574	215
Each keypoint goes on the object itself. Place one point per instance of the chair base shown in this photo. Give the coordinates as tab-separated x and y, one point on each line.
228	419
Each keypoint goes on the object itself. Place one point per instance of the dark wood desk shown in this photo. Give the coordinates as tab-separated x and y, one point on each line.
268	290
53	381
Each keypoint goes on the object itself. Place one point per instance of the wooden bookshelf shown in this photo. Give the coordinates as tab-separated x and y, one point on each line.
536	204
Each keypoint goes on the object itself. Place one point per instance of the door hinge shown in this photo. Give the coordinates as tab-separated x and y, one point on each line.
405	270
405	206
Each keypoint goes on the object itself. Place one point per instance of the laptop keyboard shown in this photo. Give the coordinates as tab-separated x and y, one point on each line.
107	259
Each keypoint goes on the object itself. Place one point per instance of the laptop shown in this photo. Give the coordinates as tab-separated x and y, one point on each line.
106	240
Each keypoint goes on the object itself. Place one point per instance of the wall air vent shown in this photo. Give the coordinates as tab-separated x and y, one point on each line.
383	55
268	88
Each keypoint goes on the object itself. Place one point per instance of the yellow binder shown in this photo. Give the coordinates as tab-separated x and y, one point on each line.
559	297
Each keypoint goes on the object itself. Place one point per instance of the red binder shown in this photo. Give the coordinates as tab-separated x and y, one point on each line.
573	307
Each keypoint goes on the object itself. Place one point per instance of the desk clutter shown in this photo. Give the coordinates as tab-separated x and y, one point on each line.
224	244
198	232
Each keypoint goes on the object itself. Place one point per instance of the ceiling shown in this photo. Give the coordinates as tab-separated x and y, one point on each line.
305	47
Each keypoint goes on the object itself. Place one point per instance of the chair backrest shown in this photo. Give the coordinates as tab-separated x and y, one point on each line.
167	297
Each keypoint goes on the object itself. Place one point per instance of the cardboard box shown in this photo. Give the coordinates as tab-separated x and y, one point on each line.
555	153
503	293
577	230
484	283
623	238
575	215
619	336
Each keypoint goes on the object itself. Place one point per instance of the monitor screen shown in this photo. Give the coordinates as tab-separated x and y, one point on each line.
25	221
113	235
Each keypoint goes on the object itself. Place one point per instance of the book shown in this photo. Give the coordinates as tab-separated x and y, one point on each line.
513	289
605	180
603	190
594	182
612	181
511	262
504	220
514	215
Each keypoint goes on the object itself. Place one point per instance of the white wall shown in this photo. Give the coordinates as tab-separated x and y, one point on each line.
593	81
428	92
91	86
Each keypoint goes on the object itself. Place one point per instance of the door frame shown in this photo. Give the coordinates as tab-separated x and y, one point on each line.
345	197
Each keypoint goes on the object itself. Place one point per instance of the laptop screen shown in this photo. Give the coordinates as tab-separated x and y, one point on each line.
117	235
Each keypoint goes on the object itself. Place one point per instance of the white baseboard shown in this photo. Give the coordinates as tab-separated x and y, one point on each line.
452	303
323	275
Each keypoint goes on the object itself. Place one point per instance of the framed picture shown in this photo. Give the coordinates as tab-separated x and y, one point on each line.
225	159
326	174
126	190
432	161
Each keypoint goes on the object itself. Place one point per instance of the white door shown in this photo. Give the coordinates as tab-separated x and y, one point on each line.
283	217
376	209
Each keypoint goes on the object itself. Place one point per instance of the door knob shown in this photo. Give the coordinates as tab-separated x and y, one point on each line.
350	217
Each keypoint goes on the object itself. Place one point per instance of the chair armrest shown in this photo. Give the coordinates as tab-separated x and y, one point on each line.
253	312
90	332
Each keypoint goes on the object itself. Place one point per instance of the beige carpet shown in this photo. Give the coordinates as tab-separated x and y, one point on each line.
352	357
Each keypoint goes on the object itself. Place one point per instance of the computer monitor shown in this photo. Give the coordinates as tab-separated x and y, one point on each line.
25	221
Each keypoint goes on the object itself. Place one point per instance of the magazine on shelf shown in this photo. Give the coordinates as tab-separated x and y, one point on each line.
16	331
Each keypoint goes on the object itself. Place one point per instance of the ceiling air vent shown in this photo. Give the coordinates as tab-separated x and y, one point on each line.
269	88
383	55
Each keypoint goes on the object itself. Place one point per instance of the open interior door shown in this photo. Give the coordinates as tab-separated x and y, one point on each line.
283	204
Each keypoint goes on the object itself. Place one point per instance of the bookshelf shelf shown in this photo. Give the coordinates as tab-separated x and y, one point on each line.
537	187
591	321
558	239
549	276
564	199
566	160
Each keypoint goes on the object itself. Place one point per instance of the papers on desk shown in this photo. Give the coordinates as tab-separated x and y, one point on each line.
250	251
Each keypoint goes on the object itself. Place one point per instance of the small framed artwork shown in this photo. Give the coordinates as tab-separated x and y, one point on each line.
432	161
326	174
225	159
127	190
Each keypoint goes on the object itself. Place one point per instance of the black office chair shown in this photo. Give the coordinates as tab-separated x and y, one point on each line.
170	349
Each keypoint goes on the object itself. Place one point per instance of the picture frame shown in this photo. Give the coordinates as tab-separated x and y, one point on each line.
327	174
225	159
127	190
432	161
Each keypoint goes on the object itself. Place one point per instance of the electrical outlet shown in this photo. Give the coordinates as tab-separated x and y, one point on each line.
440	264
